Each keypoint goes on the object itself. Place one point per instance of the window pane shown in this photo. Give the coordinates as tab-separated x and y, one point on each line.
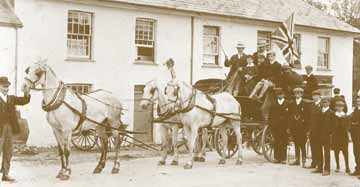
79	34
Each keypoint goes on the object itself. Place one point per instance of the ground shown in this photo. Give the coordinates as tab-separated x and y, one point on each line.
139	168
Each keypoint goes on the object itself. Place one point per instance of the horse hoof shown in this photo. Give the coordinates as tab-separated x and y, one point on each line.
115	171
196	159
58	176
174	163
222	162
97	170
161	163
201	159
238	162
64	177
188	166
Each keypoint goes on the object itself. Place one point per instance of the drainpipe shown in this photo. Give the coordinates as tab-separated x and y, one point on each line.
192	51
16	61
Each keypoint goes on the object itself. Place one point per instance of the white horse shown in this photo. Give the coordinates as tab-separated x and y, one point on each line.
154	92
199	110
68	113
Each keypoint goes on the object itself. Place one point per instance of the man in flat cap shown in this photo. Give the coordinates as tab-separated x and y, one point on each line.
314	113
340	138
326	129
278	123
298	112
310	82
9	124
236	63
337	96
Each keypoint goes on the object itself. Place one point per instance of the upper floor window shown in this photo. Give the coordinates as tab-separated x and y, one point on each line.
264	37
145	39
79	37
323	53
211	45
297	37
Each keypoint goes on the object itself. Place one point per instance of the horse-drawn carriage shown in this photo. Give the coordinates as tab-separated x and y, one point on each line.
254	127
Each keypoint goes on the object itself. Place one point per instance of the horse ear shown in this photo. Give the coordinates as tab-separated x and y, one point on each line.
176	91
27	70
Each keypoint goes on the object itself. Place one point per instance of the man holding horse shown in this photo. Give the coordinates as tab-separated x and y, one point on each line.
8	124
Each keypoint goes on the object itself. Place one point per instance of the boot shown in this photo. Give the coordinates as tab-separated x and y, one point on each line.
7	178
326	173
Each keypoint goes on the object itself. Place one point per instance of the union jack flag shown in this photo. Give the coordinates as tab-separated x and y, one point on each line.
284	38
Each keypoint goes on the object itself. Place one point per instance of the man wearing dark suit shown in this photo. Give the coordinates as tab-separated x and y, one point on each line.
326	129
278	123
336	97
236	63
355	136
314	109
8	124
310	82
298	125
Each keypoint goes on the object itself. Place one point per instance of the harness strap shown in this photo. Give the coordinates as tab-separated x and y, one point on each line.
83	112
56	101
192	102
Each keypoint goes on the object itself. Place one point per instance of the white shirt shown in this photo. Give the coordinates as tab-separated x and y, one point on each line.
281	101
272	62
317	102
325	109
309	75
240	55
250	65
3	97
298	101
340	114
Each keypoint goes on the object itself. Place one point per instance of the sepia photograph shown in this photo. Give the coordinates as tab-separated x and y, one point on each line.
180	93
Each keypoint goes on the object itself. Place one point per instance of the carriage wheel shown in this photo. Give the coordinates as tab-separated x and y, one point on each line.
256	144
85	140
211	140
267	142
232	143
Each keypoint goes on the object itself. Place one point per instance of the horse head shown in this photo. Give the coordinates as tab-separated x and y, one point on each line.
152	91
35	75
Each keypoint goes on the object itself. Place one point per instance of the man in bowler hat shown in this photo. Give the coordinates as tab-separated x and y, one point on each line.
8	124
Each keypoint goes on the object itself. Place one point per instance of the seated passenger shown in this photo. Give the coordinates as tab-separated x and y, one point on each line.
272	71
249	76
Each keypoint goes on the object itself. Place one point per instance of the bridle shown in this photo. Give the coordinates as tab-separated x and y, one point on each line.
33	83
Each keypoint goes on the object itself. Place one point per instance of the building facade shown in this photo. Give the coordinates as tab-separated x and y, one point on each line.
120	45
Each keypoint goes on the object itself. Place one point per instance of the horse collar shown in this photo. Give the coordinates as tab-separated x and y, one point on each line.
57	99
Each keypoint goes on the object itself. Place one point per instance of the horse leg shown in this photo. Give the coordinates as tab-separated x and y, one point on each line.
102	161
164	145
202	152
59	140
118	141
67	170
237	130
175	133
224	137
191	134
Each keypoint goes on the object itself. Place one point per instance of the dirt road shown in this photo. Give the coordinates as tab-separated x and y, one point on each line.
142	171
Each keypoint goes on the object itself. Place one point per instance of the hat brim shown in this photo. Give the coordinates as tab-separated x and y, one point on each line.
6	84
240	47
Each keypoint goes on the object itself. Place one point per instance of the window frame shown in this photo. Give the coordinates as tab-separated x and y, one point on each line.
216	55
298	37
75	87
269	33
326	66
81	58
138	60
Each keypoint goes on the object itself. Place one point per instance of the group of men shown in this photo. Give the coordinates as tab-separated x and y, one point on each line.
300	112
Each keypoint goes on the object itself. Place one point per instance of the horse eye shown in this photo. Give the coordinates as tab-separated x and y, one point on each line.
27	70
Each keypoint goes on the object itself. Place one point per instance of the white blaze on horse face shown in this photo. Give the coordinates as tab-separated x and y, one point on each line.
33	77
149	95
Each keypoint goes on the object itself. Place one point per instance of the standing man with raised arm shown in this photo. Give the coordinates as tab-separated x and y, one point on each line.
8	124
